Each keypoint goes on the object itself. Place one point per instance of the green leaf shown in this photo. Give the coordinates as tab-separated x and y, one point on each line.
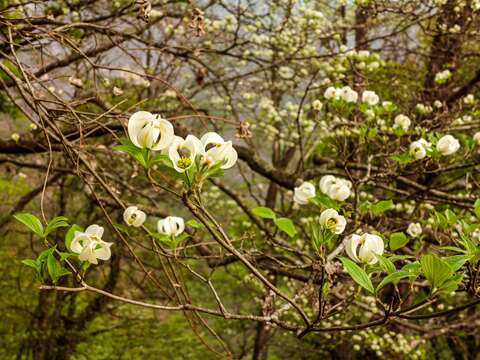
394	278
264	212
31	263
194	223
452	284
402	158
382	206
55	223
457	261
52	267
386	264
358	274
414	268
323	201
398	240
436	270
286	225
31	221
137	153
476	208
451	217
70	234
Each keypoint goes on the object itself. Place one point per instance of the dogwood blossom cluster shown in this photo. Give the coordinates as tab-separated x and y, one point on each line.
152	132
364	248
335	188
446	145
303	193
89	245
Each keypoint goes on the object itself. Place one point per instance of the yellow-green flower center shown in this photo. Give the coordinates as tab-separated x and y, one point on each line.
184	163
331	224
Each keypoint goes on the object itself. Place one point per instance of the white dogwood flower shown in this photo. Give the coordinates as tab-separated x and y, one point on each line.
90	246
448	145
150	131
171	226
363	248
332	93
476	137
402	121
133	216
418	149
414	229
303	193
336	188
333	221
317	105
183	152
216	149
349	95
370	97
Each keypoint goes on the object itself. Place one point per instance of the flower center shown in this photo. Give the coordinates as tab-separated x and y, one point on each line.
331	224
184	163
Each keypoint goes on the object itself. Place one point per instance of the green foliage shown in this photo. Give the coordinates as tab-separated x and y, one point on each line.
398	240
436	270
283	224
31	221
358	274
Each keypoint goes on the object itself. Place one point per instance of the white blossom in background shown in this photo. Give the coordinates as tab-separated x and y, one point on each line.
414	229
363	248
303	193
370	97
332	93
418	149
402	121
333	221
133	216
317	105
469	99
90	246
216	149
335	188
349	95
171	226
443	76
117	91
15	137
33	126
146	130
476	137
448	145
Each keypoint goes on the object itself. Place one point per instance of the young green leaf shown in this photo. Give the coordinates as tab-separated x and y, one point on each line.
398	240
457	261
286	225
394	278
194	223
436	270
31	221
476	208
386	264
358	274
382	206
264	212
55	223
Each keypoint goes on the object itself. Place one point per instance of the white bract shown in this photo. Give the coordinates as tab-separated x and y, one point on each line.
414	229
332	93
216	149
331	220
171	226
364	248
448	145
133	216
402	122
317	105
418	148
349	95
370	98
183	152
336	188
150	131
90	246
476	137
303	193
